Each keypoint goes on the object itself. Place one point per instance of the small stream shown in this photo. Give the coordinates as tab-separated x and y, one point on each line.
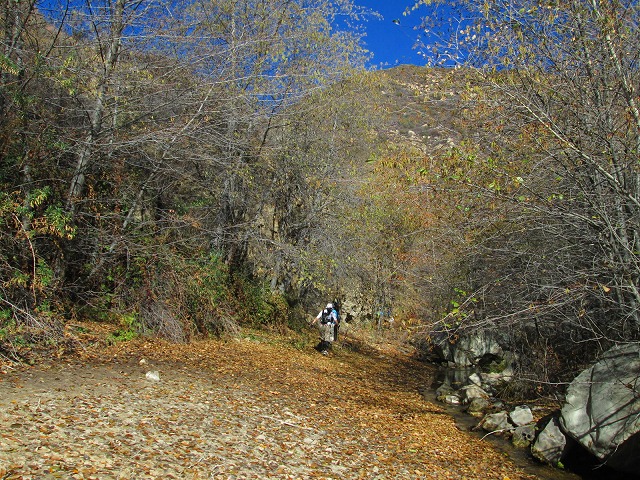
519	456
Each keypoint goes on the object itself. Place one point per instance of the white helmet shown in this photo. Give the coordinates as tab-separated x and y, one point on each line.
329	305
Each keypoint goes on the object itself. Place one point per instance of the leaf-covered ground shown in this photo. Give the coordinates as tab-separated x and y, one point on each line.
244	409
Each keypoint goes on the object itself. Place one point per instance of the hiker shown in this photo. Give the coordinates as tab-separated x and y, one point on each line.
336	326
326	321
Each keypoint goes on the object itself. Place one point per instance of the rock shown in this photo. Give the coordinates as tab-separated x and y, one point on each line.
472	349
443	391
602	408
498	378
523	436
153	375
550	445
521	416
475	379
452	399
496	422
469	392
478	406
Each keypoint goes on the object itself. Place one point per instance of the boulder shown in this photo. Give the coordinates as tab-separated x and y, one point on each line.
521	416
478	406
602	408
473	349
479	348
475	379
497	378
469	392
496	422
523	436
551	444
443	391
452	400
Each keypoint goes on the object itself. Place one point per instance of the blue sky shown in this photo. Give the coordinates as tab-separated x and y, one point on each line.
391	43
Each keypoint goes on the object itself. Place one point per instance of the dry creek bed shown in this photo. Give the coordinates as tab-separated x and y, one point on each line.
240	409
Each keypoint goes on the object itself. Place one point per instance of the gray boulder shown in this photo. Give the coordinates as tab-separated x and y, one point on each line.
469	392
472	349
447	394
521	416
551	444
602	408
523	436
478	406
504	375
451	400
480	348
443	391
475	379
496	423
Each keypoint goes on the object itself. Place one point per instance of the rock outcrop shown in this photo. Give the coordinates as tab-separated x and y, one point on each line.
602	408
470	350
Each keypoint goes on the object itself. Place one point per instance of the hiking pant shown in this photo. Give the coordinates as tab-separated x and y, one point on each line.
326	332
326	336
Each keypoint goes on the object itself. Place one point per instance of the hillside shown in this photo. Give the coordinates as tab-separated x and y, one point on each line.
423	106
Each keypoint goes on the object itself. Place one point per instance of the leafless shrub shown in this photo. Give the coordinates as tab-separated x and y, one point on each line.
157	318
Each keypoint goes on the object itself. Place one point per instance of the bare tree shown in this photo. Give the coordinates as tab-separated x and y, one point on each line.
562	257
165	132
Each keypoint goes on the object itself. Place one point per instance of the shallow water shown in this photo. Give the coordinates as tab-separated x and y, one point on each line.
518	456
579	469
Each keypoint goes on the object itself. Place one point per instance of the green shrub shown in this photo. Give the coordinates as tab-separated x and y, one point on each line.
130	329
181	298
258	306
